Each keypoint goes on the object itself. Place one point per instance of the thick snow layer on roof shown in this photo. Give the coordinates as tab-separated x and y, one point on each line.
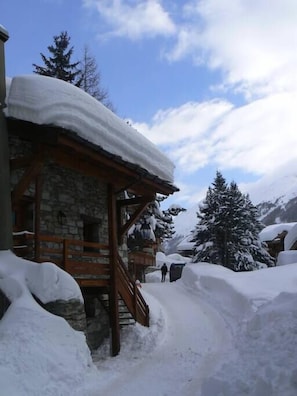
49	101
270	232
186	244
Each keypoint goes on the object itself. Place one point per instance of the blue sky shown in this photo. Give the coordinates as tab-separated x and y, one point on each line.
212	83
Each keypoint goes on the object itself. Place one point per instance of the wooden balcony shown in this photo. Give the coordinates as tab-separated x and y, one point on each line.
89	263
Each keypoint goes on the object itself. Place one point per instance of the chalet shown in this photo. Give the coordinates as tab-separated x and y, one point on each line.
278	238
186	246
72	161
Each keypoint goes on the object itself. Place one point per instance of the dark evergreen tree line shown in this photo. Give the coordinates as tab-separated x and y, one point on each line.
228	229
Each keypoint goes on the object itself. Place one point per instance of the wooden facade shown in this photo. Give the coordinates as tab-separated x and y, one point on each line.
94	264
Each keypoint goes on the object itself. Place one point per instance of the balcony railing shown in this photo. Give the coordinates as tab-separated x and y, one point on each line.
88	262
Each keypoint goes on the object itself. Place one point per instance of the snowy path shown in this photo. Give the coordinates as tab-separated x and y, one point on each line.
187	355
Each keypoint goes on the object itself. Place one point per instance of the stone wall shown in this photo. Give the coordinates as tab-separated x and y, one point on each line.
75	196
98	327
65	192
72	311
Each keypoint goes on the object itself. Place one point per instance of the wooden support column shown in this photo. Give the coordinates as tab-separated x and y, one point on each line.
38	192
114	294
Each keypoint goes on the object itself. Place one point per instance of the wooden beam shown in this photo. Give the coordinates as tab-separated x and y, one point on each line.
114	293
38	134
143	203
141	177
136	200
28	176
88	167
21	162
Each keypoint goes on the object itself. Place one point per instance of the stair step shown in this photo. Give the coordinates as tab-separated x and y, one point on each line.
125	317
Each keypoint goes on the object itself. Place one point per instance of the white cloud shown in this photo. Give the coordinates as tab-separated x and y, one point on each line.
257	137
133	19
252	42
191	120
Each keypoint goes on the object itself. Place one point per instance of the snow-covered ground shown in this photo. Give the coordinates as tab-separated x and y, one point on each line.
213	333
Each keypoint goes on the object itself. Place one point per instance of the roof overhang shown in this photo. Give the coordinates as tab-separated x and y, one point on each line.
70	150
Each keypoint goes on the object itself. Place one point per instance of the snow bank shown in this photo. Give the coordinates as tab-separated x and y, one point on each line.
260	308
40	352
50	101
46	281
287	257
137	342
161	258
265	361
244	290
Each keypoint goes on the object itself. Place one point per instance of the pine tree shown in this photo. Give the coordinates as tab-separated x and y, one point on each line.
58	64
91	79
210	233
228	229
155	225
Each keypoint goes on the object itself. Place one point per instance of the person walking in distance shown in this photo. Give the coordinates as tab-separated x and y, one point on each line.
164	272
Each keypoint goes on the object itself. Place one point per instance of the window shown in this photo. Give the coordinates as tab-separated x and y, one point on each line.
91	232
23	215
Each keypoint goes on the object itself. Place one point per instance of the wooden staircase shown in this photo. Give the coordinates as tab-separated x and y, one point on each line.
125	317
131	295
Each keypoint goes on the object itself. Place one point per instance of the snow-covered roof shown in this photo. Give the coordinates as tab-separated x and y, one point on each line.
49	101
270	232
186	244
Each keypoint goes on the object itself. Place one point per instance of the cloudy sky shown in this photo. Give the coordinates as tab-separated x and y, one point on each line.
212	83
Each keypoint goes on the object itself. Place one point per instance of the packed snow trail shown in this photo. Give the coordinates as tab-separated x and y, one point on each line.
188	354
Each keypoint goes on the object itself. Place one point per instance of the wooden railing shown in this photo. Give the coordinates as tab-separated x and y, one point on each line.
88	262
142	258
131	295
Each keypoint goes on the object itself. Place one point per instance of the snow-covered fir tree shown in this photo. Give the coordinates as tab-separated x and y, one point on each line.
228	229
155	225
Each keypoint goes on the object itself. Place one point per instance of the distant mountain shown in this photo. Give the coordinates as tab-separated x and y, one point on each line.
278	211
275	197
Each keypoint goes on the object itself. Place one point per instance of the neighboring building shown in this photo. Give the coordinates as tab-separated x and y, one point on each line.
186	246
279	237
71	162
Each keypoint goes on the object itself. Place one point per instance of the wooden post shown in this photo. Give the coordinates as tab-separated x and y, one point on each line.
135	301
65	254
114	294
38	184
5	198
